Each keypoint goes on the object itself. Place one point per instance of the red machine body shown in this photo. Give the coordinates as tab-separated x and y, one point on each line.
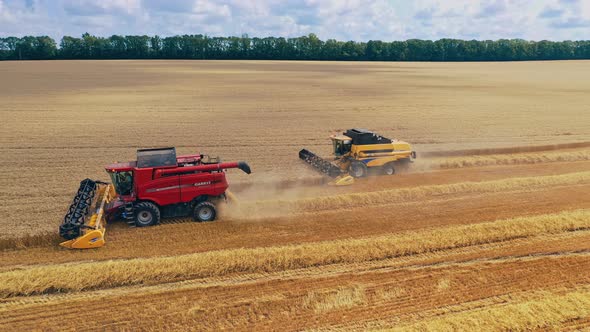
175	185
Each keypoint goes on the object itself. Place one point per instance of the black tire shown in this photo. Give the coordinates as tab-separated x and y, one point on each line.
388	169
357	169
204	211
146	214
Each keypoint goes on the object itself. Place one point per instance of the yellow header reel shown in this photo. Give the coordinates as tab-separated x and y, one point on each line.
85	222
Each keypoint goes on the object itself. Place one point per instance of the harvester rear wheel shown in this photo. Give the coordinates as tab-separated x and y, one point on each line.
388	169
204	211
358	169
146	214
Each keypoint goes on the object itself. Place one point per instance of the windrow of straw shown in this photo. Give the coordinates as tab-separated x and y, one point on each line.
511	159
549	311
108	274
390	196
505	150
342	297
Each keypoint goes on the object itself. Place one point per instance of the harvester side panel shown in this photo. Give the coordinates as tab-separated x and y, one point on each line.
162	191
198	184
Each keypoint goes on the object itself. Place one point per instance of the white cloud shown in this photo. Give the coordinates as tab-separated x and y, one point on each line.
3	12
94	8
339	19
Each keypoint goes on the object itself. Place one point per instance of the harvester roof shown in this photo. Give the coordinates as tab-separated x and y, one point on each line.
121	167
340	137
364	137
160	157
147	158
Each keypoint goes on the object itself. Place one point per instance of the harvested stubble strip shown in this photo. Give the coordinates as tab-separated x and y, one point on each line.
107	274
512	159
382	197
547	312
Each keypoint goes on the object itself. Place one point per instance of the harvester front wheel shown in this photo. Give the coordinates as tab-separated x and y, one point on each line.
388	169
358	169
146	214
204	211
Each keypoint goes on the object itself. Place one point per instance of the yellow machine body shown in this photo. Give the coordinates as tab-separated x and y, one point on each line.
372	155
93	234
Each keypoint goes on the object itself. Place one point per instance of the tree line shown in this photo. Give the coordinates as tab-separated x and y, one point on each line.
308	47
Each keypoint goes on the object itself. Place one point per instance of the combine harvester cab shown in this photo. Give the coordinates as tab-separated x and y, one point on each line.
157	185
356	151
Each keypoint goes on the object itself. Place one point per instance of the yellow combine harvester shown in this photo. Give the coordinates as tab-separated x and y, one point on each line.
358	150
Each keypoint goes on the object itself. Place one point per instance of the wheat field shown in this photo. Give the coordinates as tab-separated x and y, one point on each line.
489	229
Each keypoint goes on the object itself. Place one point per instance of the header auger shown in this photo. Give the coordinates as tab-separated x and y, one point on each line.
157	185
356	151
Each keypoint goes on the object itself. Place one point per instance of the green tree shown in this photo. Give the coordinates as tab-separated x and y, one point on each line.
376	50
155	46
137	47
308	47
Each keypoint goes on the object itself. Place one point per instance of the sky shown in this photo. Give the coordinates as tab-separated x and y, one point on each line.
337	19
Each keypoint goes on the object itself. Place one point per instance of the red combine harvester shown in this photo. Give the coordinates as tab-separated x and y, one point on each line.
157	185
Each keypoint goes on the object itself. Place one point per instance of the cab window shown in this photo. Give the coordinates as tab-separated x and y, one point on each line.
123	182
341	148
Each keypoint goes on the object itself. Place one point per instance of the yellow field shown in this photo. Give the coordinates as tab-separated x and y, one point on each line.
489	228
